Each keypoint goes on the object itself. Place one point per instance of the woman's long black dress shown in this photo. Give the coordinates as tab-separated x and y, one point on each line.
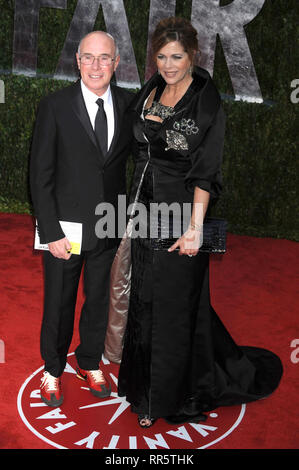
178	358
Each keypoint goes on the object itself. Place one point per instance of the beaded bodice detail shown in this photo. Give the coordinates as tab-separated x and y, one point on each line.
160	110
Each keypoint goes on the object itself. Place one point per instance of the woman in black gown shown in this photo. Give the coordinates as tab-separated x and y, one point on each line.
178	359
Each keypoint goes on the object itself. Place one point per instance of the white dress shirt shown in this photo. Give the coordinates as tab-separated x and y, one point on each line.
90	99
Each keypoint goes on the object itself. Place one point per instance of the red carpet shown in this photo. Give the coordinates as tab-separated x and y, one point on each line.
254	291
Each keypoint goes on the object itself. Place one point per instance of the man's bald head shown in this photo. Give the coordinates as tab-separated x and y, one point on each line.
99	34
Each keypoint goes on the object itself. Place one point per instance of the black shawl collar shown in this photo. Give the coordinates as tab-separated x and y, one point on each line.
202	90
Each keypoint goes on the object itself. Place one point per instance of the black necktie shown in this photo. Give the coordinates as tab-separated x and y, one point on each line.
100	127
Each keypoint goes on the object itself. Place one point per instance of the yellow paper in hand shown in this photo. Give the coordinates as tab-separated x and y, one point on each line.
75	248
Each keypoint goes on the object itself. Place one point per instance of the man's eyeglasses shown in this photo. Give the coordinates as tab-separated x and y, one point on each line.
104	59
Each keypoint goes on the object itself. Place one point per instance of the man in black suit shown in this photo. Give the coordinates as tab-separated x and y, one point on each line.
78	160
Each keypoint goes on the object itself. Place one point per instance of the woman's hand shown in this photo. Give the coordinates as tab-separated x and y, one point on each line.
189	243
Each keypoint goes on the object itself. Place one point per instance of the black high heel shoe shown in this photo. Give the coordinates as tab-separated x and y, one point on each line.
142	421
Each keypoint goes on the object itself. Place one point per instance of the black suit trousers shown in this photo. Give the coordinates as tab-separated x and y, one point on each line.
61	286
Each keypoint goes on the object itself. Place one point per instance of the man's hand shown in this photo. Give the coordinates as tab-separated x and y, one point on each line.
61	248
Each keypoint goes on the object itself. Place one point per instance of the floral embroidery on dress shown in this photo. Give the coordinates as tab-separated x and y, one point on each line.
186	125
159	109
176	141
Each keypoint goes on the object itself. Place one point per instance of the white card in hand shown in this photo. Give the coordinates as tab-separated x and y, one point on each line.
72	231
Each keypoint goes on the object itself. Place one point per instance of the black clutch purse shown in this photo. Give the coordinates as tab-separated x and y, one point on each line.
214	237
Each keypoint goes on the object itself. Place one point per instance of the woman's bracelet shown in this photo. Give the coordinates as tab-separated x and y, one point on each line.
194	226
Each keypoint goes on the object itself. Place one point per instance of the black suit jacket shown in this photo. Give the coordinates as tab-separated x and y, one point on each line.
69	176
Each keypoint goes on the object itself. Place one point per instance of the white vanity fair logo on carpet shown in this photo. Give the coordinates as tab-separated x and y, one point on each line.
86	422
